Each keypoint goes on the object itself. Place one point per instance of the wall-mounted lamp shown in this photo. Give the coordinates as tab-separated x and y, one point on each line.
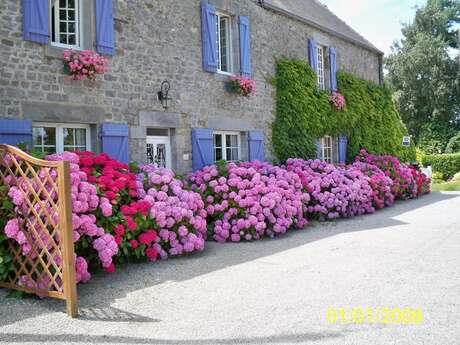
163	94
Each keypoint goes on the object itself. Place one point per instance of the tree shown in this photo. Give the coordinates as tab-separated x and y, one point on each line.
424	72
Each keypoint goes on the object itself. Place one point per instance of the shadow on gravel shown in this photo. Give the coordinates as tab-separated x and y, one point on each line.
300	338
96	297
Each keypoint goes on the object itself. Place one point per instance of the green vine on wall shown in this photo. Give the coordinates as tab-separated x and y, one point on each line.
304	113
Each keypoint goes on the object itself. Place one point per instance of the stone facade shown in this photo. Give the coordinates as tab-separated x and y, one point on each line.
156	40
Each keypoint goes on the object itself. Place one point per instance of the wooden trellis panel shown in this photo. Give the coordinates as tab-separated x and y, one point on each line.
48	269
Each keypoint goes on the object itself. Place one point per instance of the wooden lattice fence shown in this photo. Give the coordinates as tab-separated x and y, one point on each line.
44	263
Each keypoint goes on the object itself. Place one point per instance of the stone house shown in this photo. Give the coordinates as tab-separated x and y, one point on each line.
196	46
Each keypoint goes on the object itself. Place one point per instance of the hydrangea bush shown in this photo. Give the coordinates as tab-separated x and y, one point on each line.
408	182
335	191
148	211
248	201
380	183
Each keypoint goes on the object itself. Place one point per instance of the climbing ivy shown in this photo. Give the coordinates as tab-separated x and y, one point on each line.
303	113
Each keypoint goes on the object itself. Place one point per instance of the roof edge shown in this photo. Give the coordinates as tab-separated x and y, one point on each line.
280	10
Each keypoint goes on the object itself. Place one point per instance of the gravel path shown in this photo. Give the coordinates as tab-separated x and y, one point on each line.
273	291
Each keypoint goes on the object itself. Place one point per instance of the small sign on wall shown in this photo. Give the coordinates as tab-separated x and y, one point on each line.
406	141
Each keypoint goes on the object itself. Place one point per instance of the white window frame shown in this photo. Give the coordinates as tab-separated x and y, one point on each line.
219	16
326	148
60	133
320	67
78	34
224	145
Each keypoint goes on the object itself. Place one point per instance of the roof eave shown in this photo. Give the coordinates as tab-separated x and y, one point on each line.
318	26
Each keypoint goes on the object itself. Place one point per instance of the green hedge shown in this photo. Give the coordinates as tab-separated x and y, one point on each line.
446	164
453	145
303	113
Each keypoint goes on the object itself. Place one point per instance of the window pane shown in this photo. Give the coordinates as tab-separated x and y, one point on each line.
49	136
157	132
71	3
231	140
62	14
218	154
44	139
71	27
63	26
71	15
62	3
218	140
218	41
68	136
63	39
229	154
224	44
72	40
235	156
37	136
80	137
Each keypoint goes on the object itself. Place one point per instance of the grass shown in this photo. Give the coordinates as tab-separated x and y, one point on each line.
446	186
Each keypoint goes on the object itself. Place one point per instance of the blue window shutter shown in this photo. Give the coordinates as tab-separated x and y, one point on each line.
35	22
209	37
333	69
114	139
313	54
202	148
318	148
343	143
105	42
245	47
14	132
256	146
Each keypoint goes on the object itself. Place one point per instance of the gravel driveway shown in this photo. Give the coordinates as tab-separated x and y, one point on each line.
273	291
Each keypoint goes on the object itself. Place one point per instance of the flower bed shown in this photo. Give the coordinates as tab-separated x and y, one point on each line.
124	213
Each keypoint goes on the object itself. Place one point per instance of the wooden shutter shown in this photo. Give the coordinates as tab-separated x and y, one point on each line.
208	37
14	132
202	148
343	144
245	47
114	139
105	42
333	68
35	21
312	53
256	146
318	149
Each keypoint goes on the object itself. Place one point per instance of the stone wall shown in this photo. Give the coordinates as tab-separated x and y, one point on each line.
156	40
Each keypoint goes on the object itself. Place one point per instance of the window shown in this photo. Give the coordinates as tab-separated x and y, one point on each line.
329	149
320	71
65	23
226	146
57	138
224	51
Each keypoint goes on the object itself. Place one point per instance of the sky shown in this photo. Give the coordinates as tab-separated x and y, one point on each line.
379	21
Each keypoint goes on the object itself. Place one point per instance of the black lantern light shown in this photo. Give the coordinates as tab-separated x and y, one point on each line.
163	94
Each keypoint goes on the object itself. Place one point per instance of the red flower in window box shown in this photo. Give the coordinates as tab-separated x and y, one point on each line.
85	64
242	86
337	100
